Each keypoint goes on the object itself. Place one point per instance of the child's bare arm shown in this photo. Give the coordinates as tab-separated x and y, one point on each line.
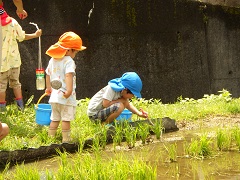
33	35
48	85
69	84
107	103
134	110
22	14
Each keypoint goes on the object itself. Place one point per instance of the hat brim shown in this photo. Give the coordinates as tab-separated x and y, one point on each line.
55	51
137	94
82	48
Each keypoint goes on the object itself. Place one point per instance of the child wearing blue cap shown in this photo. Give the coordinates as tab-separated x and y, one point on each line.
108	103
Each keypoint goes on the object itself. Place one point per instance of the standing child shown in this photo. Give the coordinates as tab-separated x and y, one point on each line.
10	61
108	103
62	67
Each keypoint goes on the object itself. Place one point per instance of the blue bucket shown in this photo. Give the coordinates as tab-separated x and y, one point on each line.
43	113
125	115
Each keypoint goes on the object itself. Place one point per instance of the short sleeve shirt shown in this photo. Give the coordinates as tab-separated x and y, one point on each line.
11	35
96	101
57	69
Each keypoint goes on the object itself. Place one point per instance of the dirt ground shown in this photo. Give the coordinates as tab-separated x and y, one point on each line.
222	2
210	122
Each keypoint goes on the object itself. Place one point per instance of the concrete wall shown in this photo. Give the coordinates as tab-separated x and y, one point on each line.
179	48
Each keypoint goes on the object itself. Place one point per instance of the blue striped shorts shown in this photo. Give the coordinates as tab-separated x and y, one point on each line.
104	113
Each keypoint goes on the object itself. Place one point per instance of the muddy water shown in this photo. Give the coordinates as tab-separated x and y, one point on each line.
222	165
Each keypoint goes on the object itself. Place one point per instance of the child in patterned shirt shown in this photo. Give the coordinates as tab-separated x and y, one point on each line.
10	60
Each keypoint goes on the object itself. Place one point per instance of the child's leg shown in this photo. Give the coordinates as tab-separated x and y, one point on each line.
66	132
2	96
107	115
18	99
16	85
55	120
53	128
4	131
3	87
115	114
67	115
2	101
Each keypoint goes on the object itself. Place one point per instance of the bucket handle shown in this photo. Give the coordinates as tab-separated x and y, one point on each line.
36	106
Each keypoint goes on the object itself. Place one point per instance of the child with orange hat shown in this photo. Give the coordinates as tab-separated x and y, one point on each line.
10	60
62	67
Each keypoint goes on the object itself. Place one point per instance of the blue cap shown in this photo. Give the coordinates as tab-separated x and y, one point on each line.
129	80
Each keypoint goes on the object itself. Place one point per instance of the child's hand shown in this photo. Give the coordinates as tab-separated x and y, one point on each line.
22	14
144	113
38	33
48	91
66	94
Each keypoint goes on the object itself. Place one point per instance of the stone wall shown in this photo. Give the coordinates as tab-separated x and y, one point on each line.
179	48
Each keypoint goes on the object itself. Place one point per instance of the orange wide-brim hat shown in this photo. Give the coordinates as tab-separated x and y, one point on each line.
69	40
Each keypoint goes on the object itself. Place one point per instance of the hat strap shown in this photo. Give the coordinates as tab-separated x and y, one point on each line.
62	46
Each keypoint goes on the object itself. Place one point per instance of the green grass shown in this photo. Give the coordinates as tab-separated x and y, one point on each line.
24	132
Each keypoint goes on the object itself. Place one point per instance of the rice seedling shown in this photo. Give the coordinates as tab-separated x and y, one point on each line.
224	139
200	148
236	136
65	170
157	128
118	136
23	173
96	143
101	134
130	135
172	151
141	170
81	143
143	132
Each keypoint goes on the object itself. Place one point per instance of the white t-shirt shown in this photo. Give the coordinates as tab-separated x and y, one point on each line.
96	101
57	69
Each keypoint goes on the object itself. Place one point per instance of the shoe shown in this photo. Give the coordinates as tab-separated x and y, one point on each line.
3	107
20	104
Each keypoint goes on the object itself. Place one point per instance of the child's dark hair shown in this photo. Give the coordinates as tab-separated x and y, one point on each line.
128	91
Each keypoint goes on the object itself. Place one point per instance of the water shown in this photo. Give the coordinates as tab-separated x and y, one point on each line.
40	83
221	165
